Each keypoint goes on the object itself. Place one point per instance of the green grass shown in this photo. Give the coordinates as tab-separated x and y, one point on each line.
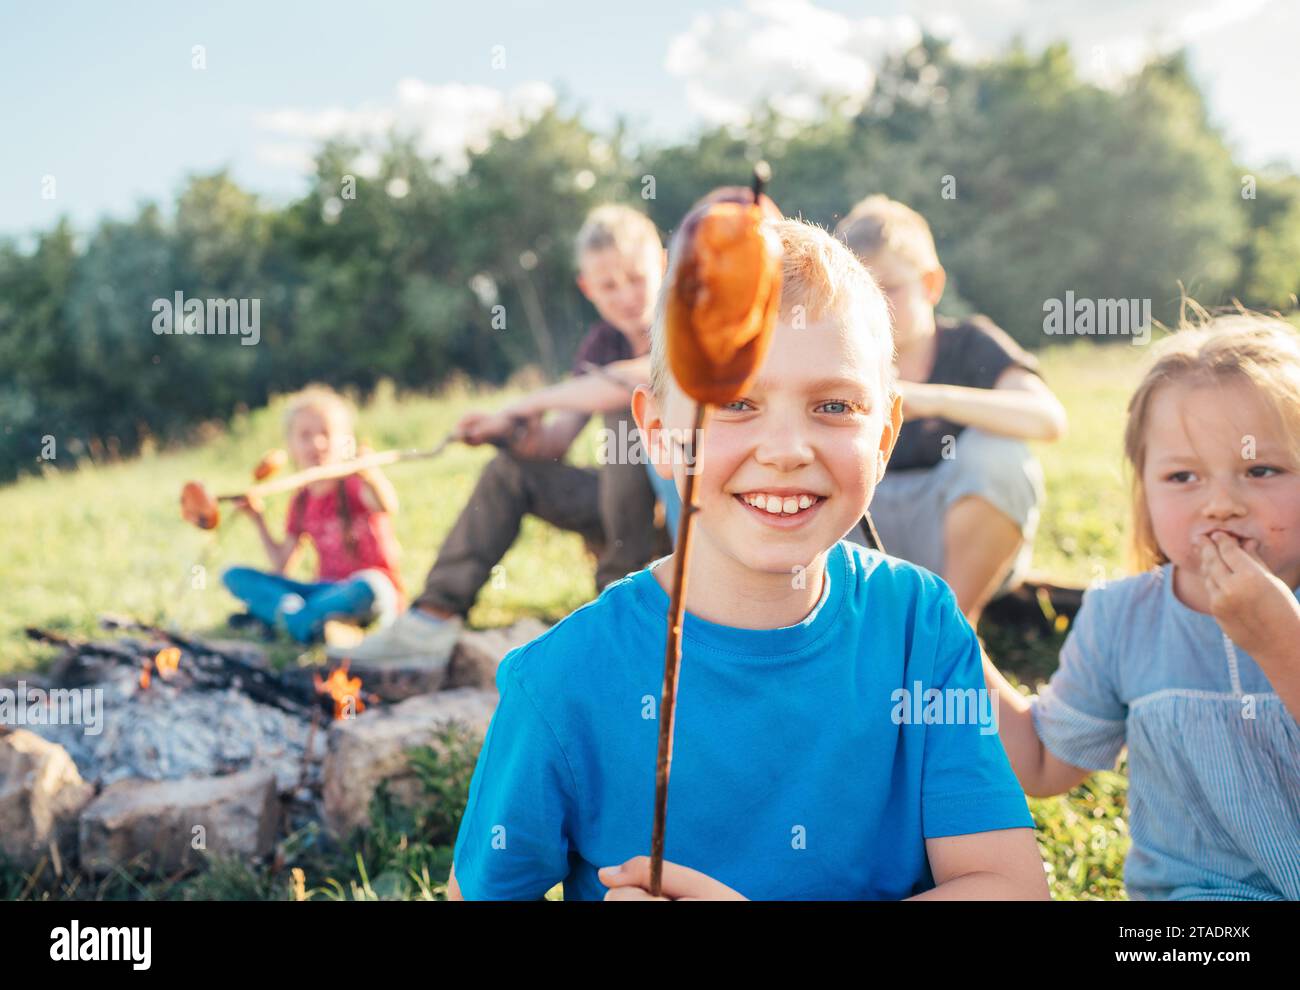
107	538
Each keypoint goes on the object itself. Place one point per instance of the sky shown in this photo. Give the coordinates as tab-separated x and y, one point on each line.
109	105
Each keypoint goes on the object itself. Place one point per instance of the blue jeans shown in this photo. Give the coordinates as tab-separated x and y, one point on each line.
301	608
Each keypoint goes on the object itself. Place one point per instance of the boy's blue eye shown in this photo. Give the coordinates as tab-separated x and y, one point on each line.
731	406
845	406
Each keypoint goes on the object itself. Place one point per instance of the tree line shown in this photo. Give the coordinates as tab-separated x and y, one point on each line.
1036	183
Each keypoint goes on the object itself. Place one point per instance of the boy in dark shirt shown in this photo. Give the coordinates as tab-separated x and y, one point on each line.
621	262
963	489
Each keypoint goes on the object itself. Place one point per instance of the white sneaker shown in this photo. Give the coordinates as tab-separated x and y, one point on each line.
412	636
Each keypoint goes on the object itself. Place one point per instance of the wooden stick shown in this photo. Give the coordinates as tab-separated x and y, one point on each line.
340	470
673	654
676	610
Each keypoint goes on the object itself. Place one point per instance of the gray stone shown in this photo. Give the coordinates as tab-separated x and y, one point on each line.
163	821
41	794
478	653
370	748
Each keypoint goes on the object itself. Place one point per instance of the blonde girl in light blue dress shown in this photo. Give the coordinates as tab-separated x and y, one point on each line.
1194	663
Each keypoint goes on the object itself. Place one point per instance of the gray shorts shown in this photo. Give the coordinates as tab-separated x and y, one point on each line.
909	506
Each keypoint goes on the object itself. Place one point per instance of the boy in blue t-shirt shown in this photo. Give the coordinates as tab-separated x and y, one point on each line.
834	739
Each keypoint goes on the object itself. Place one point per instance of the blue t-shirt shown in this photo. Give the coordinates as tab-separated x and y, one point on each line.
800	770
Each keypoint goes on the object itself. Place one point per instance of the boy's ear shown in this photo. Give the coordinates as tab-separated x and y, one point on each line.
933	282
889	435
584	286
649	421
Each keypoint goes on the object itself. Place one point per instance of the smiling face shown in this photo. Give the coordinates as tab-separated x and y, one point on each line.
789	468
1200	476
623	285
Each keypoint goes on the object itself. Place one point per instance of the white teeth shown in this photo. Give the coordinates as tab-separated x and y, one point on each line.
778	504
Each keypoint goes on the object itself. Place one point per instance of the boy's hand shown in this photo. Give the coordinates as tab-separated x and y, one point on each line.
1251	604
475	428
631	882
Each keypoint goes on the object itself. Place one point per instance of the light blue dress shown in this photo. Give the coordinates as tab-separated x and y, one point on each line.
1213	754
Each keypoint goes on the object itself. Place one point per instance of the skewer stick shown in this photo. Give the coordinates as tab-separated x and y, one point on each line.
676	610
673	655
340	470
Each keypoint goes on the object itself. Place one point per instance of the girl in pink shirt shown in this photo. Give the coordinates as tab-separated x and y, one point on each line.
348	520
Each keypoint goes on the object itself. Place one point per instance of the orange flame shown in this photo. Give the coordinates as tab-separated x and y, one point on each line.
167	661
343	689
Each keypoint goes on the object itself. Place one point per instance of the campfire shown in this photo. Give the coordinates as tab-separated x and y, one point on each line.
163	749
344	690
165	663
189	707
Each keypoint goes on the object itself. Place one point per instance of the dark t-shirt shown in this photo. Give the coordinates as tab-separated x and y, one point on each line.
604	344
973	352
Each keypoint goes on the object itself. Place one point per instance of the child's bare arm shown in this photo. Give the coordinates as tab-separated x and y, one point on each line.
986	866
280	552
1020	405
608	390
378	493
453	888
1040	773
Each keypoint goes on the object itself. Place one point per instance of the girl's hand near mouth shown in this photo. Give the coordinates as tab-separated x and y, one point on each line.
1252	605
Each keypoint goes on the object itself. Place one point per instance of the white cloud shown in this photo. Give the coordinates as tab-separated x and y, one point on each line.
1241	50
786	52
444	119
790	51
1109	38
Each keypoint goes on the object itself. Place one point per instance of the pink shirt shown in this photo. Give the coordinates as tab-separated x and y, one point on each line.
319	517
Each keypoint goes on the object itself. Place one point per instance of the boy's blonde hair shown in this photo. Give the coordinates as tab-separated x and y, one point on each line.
617	226
1260	350
879	224
819	278
320	398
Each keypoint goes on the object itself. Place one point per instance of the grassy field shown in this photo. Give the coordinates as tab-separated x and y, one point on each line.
107	538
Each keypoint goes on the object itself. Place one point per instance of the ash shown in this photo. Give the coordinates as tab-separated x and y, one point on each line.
167	732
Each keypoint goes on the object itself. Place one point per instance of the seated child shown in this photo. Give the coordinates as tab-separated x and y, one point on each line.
620	260
800	770
971	398
1193	662
348	520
